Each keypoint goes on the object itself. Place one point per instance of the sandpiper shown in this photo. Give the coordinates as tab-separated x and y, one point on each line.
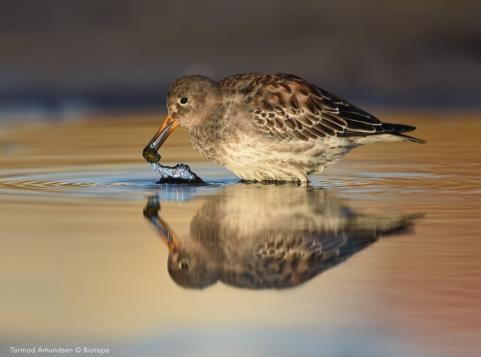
269	127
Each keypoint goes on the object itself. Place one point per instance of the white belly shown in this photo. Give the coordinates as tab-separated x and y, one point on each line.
281	161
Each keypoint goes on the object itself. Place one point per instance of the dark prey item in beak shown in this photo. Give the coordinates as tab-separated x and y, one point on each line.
179	173
150	152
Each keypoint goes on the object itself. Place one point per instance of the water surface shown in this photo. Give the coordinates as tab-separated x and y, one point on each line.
379	256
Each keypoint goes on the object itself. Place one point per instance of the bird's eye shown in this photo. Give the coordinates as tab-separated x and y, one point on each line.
184	265
183	100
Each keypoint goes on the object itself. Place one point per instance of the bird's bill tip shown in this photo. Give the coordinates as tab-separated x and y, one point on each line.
150	152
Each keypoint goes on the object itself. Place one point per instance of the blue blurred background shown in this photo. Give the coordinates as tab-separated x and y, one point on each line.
62	57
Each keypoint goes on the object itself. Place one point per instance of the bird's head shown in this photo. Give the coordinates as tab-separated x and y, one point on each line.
191	101
192	269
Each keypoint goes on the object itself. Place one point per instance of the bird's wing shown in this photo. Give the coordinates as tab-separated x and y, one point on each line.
286	107
282	262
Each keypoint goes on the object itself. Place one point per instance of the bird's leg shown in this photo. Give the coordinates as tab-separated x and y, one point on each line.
151	212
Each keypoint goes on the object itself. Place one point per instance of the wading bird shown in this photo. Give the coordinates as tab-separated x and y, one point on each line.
269	127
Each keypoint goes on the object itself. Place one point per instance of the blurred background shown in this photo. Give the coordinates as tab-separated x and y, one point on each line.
82	90
67	58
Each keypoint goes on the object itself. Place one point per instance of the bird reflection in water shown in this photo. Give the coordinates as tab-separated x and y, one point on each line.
268	237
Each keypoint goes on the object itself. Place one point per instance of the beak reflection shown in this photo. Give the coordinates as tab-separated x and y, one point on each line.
166	234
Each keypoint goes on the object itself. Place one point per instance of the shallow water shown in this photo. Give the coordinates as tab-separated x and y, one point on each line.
379	256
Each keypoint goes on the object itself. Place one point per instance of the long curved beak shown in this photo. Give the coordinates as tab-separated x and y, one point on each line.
150	152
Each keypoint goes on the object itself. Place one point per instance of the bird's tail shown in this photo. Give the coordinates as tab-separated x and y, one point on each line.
412	139
400	129
386	224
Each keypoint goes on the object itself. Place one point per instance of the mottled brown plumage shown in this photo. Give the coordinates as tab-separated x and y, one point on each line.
272	127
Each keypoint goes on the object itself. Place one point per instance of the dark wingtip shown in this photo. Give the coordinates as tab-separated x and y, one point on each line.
397	128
